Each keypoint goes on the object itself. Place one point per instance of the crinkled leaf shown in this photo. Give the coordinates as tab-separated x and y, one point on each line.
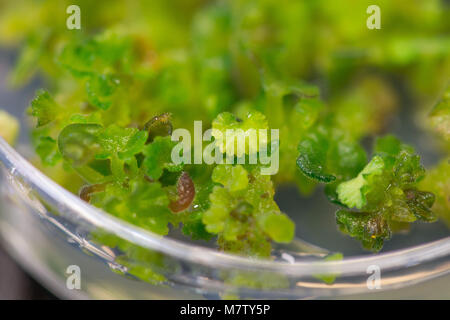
98	55
420	204
437	181
158	157
352	193
325	158
312	159
44	108
78	144
440	115
120	145
369	228
221	205
243	212
142	203
240	129
47	149
115	140
234	178
100	90
386	192
389	147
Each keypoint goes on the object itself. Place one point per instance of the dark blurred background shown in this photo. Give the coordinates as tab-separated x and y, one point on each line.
16	284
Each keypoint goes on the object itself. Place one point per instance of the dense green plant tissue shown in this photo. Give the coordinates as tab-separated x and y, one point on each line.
385	194
116	95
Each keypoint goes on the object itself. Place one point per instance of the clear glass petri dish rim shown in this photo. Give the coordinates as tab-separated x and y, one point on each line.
79	211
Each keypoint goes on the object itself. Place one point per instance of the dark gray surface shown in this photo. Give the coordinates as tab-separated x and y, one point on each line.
16	284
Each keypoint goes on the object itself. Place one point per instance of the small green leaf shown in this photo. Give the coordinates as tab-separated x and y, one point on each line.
370	228
158	157
279	227
44	108
234	178
239	130
437	181
352	193
142	203
312	159
99	55
47	149
115	139
79	142
440	115
134	145
420	204
100	90
221	205
389	147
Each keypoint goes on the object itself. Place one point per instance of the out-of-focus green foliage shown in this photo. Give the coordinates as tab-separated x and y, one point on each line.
437	181
142	263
